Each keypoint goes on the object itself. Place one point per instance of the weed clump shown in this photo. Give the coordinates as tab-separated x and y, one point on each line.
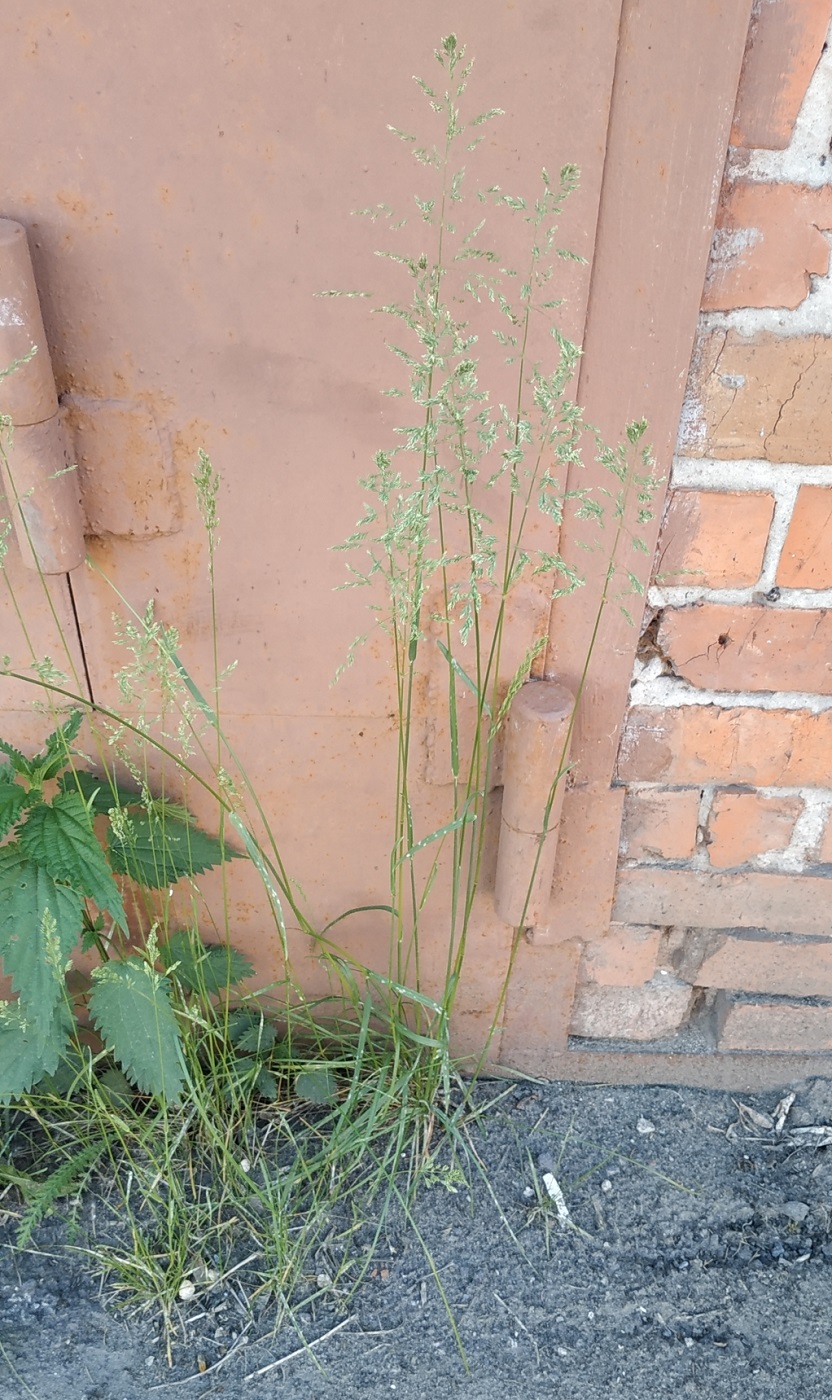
202	1111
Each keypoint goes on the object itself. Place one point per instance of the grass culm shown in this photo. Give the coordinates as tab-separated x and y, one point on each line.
250	1143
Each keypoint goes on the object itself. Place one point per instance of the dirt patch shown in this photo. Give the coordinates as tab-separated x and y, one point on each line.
699	1261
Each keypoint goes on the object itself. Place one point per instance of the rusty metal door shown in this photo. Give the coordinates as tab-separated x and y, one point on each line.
186	176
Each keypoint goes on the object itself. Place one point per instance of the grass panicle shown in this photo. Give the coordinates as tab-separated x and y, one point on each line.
234	1136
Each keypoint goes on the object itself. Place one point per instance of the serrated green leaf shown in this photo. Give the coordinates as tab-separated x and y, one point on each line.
130	1006
100	794
61	738
70	1074
251	1032
116	1088
59	836
158	853
19	762
58	749
28	1050
204	967
316	1085
266	1085
89	931
12	801
40	923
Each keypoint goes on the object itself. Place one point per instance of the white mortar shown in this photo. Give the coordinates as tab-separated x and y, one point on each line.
806	161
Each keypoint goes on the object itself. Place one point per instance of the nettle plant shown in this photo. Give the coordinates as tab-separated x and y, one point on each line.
71	840
466	506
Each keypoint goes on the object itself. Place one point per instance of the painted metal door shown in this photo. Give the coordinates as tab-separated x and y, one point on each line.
186	176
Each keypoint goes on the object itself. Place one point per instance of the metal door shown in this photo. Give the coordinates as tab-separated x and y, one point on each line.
186	175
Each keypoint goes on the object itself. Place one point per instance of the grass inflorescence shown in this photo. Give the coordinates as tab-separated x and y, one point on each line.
246	1140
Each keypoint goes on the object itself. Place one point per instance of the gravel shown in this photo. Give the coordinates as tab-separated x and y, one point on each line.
696	1260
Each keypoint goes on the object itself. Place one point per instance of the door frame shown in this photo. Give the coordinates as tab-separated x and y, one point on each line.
673	100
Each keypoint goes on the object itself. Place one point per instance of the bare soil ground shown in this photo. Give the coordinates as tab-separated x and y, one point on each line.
697	1260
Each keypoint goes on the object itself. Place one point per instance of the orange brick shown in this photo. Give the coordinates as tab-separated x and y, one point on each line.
631	1013
806	561
725	647
824	851
743	825
709	744
749	1025
784	45
714	539
768	243
777	966
624	957
660	825
711	899
762	397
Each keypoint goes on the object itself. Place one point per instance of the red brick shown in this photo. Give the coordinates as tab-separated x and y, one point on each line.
624	957
660	825
712	900
748	1025
743	825
784	45
631	1013
708	744
768	243
806	561
824	853
714	539
776	966
765	396
725	647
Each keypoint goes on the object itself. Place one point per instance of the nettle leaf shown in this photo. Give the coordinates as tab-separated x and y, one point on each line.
58	749
19	762
100	794
12	801
71	1074
205	967
157	853
26	1053
266	1085
250	1032
60	837
130	1006
66	734
316	1085
116	1088
40	924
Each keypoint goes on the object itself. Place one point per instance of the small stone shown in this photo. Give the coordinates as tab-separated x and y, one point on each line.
606	1185
644	1126
796	1211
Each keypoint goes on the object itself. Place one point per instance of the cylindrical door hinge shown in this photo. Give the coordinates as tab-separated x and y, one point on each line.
43	495
534	761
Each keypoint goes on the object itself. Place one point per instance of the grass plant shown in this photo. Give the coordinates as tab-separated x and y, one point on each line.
254	1129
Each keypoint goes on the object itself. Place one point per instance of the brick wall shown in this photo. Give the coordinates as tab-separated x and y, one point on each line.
724	901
